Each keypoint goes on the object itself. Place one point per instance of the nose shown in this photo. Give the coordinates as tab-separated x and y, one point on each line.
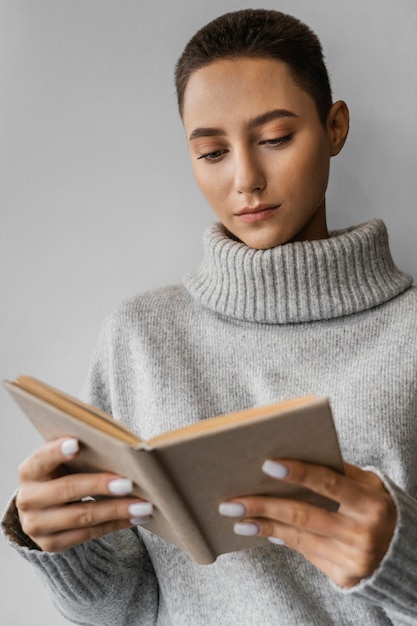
249	175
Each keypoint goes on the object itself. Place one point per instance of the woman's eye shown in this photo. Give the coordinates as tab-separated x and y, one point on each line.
212	157
277	141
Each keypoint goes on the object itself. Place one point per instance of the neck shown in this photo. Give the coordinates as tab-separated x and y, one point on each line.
316	227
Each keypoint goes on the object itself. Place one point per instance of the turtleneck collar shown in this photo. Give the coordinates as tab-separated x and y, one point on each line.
297	282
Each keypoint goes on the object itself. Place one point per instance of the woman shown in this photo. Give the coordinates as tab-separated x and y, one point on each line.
280	307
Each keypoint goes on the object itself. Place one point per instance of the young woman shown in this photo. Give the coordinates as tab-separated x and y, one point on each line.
280	307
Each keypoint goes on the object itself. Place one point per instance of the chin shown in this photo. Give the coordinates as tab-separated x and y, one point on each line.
264	240
262	243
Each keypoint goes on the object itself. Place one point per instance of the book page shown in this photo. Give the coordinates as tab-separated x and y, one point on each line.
78	409
222	422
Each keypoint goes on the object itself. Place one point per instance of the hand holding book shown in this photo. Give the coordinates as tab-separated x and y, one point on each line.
185	473
55	509
329	540
347	545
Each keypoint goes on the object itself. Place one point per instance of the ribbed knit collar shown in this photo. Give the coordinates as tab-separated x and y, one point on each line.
297	282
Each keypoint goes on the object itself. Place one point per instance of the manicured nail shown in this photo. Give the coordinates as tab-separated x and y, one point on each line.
277	540
232	509
274	469
120	486
138	521
70	447
140	509
246	528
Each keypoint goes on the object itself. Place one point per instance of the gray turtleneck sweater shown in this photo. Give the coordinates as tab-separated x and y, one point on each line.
251	327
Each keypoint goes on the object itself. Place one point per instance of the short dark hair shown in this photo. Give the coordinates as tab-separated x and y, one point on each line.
260	33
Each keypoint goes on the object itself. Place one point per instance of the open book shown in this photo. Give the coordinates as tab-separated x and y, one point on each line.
187	472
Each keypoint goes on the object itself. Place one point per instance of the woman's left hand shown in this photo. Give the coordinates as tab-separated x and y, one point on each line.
347	545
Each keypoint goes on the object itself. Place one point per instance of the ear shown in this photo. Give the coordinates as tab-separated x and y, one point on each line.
338	126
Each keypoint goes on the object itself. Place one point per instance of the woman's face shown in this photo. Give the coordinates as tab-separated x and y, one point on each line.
259	151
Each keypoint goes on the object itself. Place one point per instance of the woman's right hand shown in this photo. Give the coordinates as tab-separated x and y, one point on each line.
51	507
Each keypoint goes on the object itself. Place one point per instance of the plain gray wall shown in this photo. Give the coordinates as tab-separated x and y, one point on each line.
96	193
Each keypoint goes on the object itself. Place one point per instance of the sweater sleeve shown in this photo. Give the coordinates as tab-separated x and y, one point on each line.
393	585
102	582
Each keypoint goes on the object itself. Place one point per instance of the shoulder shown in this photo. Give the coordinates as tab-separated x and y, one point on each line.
156	306
396	321
404	306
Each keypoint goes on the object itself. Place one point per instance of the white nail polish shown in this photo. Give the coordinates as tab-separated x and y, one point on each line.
70	447
120	486
274	469
246	528
138	521
277	540
140	509
232	509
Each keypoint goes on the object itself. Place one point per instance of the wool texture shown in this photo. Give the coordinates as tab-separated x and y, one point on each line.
250	327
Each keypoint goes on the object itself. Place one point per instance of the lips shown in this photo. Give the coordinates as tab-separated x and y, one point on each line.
257	213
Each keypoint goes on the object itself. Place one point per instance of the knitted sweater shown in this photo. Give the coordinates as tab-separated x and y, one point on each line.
251	327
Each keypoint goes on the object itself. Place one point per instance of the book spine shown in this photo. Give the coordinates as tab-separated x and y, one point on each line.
172	519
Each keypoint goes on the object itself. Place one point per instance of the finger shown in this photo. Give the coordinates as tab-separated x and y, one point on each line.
45	461
300	515
303	541
345	564
70	488
60	542
282	534
83	515
322	480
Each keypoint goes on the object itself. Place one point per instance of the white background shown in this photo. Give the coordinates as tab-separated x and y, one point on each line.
97	200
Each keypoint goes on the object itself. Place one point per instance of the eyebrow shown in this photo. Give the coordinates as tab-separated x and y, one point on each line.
259	120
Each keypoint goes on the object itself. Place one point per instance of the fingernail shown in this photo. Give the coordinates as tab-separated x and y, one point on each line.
246	528
232	509
120	486
140	509
274	469
70	447
277	540
138	521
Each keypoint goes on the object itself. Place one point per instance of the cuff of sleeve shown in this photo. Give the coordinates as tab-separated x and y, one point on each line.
393	585
12	530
